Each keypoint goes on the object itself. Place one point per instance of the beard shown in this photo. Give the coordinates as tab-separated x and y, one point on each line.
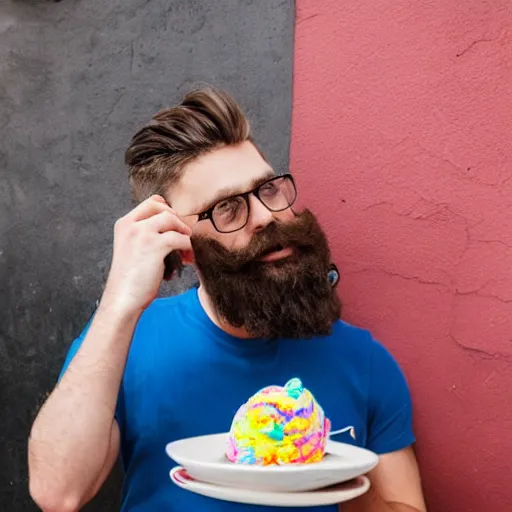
288	298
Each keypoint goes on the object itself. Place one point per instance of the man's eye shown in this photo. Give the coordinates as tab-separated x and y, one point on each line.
268	189
228	209
225	206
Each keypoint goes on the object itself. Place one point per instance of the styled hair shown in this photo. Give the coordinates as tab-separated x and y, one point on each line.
205	120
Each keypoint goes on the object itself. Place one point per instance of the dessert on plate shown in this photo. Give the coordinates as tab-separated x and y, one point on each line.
279	425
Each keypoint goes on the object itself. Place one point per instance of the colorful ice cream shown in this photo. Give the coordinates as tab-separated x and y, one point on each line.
279	425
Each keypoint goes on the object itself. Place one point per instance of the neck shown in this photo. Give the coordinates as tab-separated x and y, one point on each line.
206	304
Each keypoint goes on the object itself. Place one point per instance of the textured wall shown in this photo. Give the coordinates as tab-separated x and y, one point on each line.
76	79
401	142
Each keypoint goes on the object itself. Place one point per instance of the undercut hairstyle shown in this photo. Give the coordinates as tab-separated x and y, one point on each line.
205	120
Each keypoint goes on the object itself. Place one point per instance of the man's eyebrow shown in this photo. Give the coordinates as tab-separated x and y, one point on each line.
224	193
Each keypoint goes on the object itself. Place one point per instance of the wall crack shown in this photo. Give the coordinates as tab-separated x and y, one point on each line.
473	44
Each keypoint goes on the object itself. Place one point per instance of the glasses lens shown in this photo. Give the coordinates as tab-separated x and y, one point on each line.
278	194
230	214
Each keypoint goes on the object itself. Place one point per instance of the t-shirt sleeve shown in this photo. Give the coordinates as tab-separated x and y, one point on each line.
73	349
390	407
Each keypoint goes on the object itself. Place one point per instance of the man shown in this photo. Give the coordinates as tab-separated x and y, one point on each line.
146	372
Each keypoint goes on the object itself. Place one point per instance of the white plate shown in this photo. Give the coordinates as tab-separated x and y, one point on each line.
204	459
328	496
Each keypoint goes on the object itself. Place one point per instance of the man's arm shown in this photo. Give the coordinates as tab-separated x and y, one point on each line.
395	486
112	456
75	439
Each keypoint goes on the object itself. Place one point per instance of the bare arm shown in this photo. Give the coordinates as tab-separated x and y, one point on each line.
395	486
75	440
72	434
112	455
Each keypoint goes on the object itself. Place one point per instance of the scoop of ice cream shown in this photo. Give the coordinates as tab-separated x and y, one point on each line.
279	425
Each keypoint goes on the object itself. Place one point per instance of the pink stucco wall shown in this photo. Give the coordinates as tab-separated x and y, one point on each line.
402	143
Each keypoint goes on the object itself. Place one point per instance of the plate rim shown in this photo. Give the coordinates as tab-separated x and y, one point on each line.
321	494
186	461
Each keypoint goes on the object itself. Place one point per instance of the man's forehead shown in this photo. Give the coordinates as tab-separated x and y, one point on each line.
222	172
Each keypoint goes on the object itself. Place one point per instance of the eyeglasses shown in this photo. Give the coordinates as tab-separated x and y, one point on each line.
231	214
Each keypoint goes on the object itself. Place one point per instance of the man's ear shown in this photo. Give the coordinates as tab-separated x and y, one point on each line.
187	257
174	263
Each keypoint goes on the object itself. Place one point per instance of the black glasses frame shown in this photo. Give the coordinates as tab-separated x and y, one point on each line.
208	214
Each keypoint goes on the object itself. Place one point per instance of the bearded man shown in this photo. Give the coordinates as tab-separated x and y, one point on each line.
148	371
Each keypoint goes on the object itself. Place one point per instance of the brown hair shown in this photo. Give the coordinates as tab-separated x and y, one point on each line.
206	119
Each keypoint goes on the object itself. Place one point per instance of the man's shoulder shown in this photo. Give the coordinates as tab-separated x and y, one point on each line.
352	337
169	304
361	346
165	313
358	342
350	330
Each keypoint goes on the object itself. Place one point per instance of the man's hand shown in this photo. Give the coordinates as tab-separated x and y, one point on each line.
395	486
142	239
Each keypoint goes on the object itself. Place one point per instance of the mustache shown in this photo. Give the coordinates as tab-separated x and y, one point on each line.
300	233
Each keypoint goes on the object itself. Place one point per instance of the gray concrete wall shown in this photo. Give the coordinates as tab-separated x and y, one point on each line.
76	79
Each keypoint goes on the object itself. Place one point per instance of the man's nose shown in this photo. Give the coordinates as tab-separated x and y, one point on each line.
260	216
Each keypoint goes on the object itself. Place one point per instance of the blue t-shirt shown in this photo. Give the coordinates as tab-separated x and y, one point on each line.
186	377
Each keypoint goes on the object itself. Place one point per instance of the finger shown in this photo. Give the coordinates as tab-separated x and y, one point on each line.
166	221
176	241
148	208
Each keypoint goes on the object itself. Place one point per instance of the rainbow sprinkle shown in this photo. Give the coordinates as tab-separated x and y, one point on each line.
279	425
